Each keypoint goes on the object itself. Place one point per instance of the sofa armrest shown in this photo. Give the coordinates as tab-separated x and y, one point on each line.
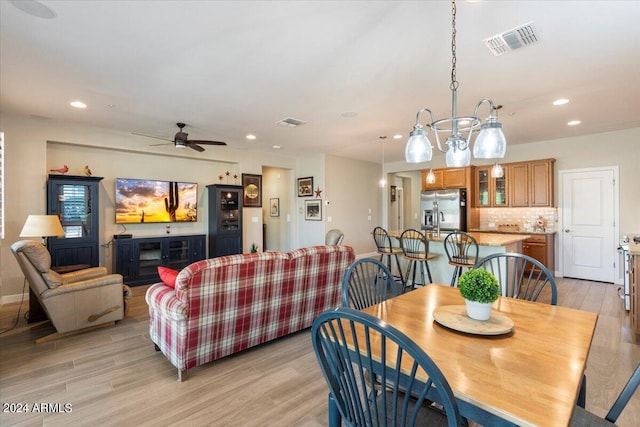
96	282
162	299
84	274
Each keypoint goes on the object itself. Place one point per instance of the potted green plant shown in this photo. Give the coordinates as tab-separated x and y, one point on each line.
480	289
254	248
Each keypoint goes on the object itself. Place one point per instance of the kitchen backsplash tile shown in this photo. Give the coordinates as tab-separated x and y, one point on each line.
524	218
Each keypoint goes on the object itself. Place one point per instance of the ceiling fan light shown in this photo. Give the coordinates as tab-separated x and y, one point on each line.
180	144
457	158
490	143
418	148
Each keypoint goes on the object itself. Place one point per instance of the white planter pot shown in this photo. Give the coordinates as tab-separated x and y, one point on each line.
478	310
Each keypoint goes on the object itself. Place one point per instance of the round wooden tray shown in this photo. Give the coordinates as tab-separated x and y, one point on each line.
455	317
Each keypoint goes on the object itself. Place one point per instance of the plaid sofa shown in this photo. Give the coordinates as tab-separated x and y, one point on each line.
224	305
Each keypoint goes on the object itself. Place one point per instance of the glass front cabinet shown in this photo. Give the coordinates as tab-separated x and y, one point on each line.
491	192
74	199
225	220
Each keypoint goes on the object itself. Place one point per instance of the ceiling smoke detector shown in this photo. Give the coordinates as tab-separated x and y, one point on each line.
521	36
291	122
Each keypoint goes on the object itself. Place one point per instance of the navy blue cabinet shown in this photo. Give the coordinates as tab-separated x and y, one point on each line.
225	220
138	259
75	200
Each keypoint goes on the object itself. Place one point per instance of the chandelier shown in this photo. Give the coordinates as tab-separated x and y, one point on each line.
489	144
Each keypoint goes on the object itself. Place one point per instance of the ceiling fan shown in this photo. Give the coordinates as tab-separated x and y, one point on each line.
180	140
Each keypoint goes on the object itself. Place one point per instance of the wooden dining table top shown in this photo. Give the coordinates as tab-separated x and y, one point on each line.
529	376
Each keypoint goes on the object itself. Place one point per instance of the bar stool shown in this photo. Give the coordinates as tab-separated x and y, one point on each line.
386	249
415	248
462	251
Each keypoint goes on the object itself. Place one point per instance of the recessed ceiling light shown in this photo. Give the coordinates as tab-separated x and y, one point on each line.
276	147
574	122
561	101
251	137
34	8
78	104
397	136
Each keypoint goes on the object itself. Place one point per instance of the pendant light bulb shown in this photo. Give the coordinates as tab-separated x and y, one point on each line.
431	177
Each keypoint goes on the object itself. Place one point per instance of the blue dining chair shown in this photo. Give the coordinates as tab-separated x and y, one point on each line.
349	345
581	417
521	276
367	282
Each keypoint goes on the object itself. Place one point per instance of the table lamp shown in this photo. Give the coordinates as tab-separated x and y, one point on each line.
42	226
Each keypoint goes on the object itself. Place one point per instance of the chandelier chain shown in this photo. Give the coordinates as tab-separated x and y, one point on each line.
454	82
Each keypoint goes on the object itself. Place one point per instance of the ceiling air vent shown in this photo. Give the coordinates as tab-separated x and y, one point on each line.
291	122
518	37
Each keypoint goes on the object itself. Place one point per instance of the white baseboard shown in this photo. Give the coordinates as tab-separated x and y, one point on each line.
10	299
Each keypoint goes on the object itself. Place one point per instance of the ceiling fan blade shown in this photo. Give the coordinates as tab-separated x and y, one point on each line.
154	137
195	146
197	141
157	145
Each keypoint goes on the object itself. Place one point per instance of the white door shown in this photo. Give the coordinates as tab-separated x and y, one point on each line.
400	199
589	209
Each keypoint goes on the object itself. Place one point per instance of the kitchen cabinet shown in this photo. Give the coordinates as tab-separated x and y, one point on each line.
74	199
519	184
490	192
225	220
542	248
541	183
524	184
634	293
447	178
138	259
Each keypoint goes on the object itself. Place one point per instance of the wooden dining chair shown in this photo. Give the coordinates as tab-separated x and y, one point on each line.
462	250
367	282
521	276
581	417
415	249
349	345
387	251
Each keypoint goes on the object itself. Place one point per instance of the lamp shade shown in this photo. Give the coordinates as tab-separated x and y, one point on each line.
490	143
42	226
418	148
457	158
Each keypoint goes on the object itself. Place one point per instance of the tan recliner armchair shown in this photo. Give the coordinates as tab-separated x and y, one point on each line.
74	302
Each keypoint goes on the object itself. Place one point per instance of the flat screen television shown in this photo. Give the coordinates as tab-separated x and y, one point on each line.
152	201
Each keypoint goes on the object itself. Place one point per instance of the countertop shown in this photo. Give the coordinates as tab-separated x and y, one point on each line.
496	231
483	238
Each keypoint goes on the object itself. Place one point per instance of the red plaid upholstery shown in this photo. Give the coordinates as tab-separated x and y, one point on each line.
224	305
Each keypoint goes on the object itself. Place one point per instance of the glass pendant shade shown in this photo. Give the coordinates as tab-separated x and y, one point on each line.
457	158
431	177
418	148
497	171
490	143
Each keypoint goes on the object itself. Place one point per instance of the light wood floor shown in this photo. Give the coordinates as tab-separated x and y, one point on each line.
113	376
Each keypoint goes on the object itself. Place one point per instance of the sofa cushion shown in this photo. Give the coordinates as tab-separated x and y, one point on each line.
168	276
37	254
53	279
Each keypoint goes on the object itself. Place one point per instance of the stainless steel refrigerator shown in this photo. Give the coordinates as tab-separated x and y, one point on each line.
444	208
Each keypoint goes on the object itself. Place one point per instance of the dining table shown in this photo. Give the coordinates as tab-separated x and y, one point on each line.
529	373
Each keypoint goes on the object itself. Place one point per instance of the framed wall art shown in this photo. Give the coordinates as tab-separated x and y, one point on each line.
274	207
392	191
313	210
252	186
305	186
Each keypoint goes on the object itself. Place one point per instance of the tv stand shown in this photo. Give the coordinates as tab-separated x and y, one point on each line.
138	259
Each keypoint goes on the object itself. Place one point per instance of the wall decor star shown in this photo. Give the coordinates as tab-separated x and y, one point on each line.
318	192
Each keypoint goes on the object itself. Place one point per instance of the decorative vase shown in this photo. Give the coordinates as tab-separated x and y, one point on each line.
478	310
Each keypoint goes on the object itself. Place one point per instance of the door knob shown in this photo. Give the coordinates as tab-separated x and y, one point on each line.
566	230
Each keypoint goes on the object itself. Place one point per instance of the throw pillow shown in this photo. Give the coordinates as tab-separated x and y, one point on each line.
168	276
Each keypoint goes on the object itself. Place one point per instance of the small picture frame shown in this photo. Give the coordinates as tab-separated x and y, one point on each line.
392	192
305	186
252	190
274	207
313	210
